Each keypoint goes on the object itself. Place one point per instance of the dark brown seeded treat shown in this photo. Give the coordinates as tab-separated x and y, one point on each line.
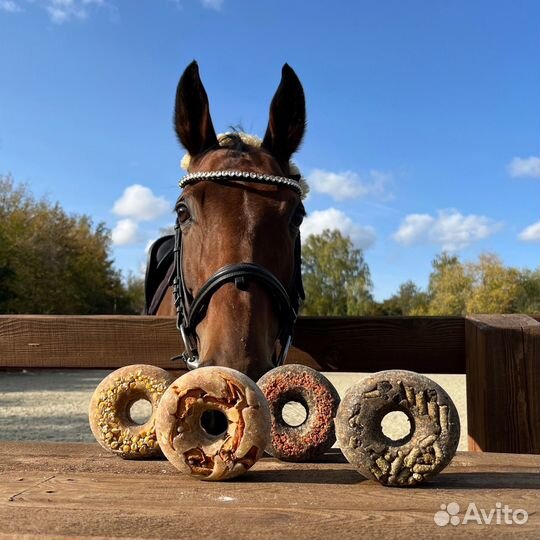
312	438
423	453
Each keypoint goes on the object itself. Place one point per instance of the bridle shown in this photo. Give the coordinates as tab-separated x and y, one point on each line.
190	311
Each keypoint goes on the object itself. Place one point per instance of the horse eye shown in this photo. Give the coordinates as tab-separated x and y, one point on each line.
298	217
183	213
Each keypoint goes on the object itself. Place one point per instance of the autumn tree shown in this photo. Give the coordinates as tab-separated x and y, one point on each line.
336	278
134	292
52	262
528	297
449	286
495	288
409	300
482	286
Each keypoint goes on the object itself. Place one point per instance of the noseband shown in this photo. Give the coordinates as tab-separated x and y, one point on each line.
190	311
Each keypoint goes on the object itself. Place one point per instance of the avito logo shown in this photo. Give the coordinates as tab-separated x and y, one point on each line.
500	515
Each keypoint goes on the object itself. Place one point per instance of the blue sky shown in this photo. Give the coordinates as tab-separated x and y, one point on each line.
423	117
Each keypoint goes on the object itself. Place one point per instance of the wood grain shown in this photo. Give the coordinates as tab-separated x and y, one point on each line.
75	489
503	383
423	344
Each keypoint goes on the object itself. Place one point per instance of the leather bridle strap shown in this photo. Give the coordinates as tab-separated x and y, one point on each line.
240	274
191	311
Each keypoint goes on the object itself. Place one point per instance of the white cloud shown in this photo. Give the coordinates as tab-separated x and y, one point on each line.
213	4
140	204
450	229
125	233
60	11
319	220
414	226
10	6
525	167
348	185
531	233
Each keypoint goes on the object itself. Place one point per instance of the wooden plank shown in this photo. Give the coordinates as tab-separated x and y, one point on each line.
87	341
74	489
503	383
423	344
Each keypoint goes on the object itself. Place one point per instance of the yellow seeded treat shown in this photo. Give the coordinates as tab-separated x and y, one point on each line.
109	412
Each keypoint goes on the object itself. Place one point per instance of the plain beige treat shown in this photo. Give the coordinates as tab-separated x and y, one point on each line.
109	411
194	450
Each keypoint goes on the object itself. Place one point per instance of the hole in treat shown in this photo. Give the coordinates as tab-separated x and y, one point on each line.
396	425
294	413
140	411
214	422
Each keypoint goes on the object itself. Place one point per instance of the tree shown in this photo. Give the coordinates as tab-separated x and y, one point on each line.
495	288
134	293
409	300
52	262
336	278
449	286
528	297
484	286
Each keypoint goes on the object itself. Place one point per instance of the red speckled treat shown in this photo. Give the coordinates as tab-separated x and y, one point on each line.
314	391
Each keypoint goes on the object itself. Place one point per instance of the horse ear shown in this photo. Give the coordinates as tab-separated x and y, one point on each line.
192	121
287	121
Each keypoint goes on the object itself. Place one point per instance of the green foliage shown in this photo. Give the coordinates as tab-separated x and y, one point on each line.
495	288
484	286
337	282
409	300
449	286
52	262
134	290
336	277
528	298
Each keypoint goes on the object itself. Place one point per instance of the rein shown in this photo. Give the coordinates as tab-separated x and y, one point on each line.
190	311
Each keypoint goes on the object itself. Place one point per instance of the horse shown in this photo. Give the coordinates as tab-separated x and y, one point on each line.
234	279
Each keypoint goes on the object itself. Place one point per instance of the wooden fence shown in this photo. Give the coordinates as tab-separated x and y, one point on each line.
500	355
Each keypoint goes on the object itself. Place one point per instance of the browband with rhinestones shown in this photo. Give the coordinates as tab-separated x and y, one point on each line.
216	176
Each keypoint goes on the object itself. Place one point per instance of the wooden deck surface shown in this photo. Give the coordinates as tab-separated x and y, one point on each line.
73	489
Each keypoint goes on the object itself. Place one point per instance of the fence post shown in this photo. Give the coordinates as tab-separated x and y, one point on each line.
503	383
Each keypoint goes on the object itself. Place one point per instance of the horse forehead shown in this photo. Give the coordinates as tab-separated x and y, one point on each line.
252	160
240	200
257	200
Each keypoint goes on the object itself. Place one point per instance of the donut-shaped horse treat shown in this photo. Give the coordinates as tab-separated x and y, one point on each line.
316	434
110	406
424	452
213	423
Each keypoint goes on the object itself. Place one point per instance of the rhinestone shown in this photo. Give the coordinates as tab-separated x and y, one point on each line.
217	176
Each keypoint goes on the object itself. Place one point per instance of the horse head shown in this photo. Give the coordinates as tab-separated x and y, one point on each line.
238	281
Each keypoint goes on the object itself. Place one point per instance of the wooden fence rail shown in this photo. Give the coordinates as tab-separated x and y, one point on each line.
500	354
423	344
